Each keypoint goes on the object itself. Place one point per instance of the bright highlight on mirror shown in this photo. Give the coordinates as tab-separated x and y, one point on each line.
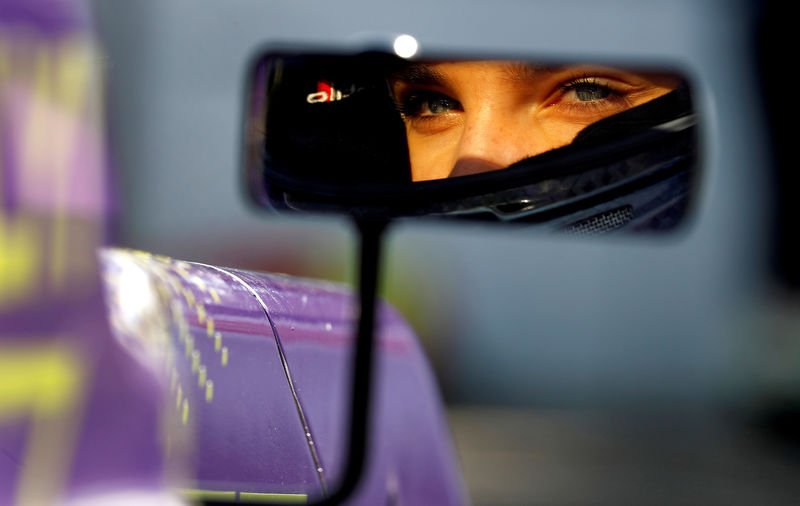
585	147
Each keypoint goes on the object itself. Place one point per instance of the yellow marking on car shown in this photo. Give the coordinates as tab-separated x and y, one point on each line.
182	273
217	341
263	498
199	495
20	258
183	328
175	283
185	412
209	390
195	361
214	295
46	385
194	494
210	326
201	312
224	358
202	375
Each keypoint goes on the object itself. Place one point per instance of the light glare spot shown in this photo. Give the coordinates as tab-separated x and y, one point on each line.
405	46
137	298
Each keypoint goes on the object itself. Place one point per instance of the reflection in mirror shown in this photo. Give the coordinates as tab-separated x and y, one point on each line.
373	133
467	117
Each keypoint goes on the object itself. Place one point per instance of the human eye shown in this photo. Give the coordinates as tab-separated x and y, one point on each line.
421	104
592	93
585	98
587	89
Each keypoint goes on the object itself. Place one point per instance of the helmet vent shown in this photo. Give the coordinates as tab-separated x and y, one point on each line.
601	223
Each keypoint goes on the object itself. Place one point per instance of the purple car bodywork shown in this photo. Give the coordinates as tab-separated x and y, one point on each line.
241	392
258	371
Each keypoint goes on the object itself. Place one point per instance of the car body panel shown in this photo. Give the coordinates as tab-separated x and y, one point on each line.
276	350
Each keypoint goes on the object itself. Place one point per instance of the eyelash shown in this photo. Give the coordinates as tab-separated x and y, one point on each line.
613	95
585	81
410	103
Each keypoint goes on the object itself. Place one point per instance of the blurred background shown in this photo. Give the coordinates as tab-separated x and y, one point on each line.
574	371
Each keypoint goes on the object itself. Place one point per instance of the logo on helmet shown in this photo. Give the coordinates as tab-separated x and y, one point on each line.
327	93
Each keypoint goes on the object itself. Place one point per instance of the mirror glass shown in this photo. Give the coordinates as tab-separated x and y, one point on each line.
503	139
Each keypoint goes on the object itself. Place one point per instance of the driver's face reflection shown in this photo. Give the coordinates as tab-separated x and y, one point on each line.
470	117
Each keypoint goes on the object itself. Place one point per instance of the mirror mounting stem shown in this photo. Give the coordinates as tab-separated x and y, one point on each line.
370	236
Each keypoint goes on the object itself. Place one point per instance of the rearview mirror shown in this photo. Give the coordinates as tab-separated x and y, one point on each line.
584	147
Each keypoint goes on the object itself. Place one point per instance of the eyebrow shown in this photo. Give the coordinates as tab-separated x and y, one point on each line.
419	73
425	74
